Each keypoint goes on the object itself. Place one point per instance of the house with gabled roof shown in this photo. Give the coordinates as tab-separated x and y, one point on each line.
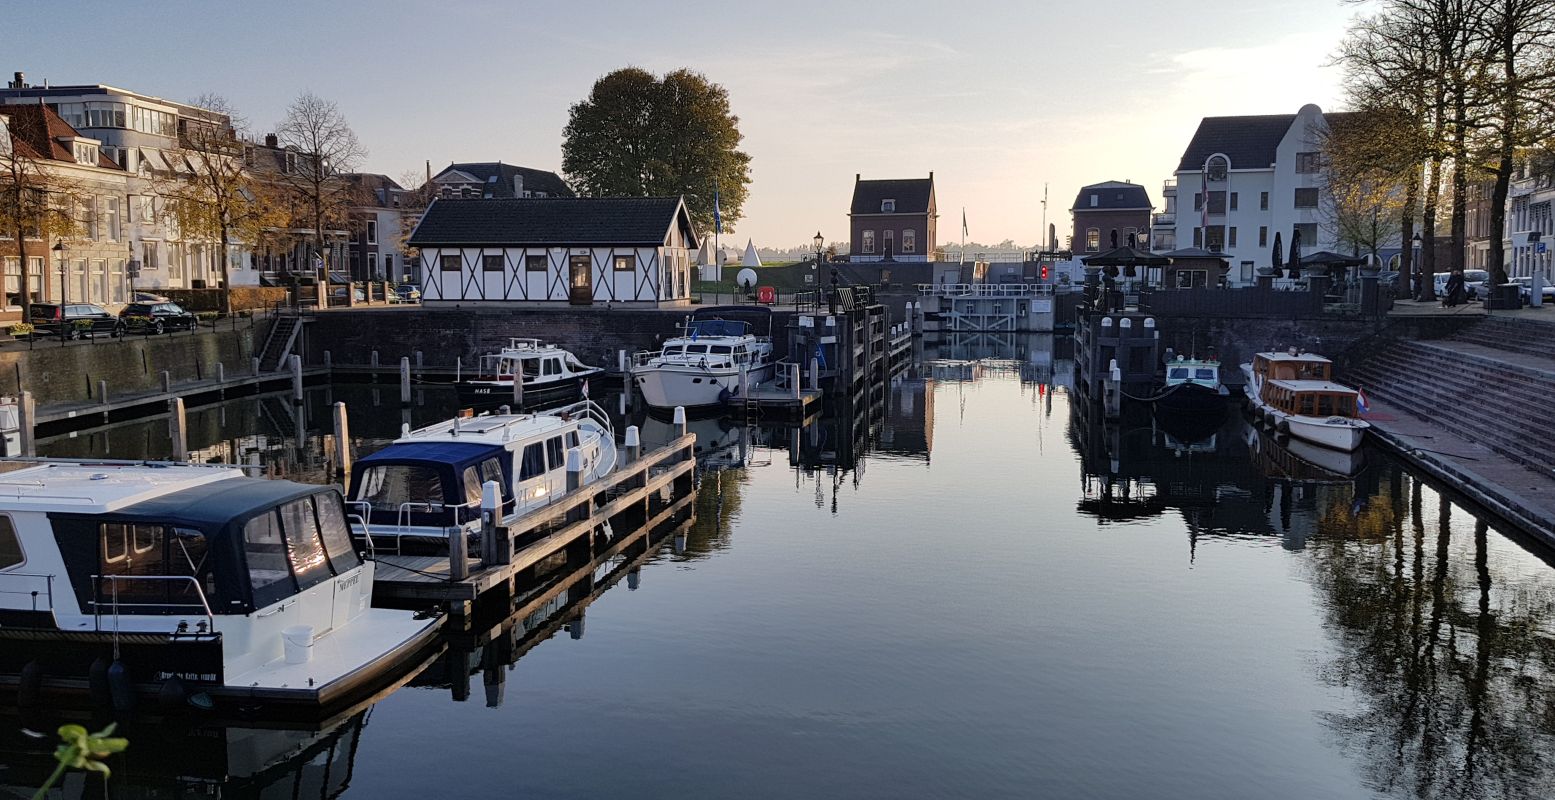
893	220
556	250
1242	180
1108	212
494	180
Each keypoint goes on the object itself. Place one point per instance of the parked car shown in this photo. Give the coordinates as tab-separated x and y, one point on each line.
148	297
74	320
155	318
1474	283
357	295
1525	288
408	293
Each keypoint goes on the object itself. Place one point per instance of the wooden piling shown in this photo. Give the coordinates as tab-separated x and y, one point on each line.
296	363
458	550
342	445
102	391
815	374
518	387
178	429
634	445
26	414
167	382
404	381
329	360
254	365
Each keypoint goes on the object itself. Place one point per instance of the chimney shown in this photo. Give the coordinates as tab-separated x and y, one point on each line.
518	185
857	176
20	82
272	141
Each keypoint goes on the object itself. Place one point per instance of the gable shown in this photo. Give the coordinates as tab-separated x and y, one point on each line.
912	196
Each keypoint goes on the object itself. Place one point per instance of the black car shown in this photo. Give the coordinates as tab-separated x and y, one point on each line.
156	317
74	320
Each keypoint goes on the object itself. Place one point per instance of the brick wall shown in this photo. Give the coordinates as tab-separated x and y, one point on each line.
131	365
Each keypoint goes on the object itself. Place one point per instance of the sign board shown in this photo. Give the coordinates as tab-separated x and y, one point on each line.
1541	247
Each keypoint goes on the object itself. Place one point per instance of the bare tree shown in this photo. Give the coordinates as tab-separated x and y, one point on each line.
37	201
326	146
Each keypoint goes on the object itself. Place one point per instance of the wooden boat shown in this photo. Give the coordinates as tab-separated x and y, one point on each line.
1294	393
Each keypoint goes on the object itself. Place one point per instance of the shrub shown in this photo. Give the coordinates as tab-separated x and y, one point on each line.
82	324
207	316
21	329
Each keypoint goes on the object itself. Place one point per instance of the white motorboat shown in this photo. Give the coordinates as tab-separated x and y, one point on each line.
714	361
548	372
407	495
1294	393
189	583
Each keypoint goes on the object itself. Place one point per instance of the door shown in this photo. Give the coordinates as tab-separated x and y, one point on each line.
580	280
531	489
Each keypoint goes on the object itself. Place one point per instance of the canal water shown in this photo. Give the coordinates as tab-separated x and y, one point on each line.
961	586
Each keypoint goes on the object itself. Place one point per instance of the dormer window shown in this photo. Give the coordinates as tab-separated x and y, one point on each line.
1095	200
888	206
1218	166
86	154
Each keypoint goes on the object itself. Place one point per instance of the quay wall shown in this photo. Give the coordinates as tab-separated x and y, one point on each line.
445	334
57	374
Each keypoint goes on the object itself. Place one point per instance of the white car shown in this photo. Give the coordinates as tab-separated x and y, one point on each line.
1474	283
1525	287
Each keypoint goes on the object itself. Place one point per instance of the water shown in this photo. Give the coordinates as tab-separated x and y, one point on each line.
962	587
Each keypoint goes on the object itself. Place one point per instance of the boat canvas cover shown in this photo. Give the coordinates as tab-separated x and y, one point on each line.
218	510
448	459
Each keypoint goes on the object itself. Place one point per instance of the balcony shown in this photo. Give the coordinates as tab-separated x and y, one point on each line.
1163	219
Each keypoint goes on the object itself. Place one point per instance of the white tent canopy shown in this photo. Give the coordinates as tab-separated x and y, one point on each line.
751	259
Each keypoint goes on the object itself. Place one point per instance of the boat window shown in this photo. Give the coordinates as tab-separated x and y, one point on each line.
531	367
303	546
1325	405
337	533
388	485
268	574
1177	373
472	486
553	366
534	462
144	537
721	349
696	348
116	546
554	452
491	470
147	578
1204	373
10	544
188	554
572	438
1305	405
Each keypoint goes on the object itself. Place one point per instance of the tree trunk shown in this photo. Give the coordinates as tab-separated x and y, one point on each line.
1460	181
1433	189
226	271
21	254
1504	162
1406	235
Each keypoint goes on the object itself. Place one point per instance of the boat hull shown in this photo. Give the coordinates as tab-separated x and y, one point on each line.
666	387
1189	398
496	393
1339	433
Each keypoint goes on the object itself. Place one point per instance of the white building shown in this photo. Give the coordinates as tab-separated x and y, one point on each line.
1242	179
554	251
1530	239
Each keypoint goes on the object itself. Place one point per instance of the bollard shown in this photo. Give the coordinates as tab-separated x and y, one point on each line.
458	554
342	445
167	382
404	381
221	372
492	550
102	391
815	374
26	412
178	428
254	364
329	360
518	387
420	360
404	429
574	482
679	421
793	379
375	359
296	380
621	361
634	444
458	367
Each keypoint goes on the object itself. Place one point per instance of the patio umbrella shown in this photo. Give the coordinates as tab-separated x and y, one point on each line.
1295	253
1128	258
1275	257
1332	260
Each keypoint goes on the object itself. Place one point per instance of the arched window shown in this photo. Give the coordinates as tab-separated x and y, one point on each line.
1092	240
1218	166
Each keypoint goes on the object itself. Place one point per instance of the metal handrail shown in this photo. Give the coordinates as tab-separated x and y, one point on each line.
985	289
113	580
48	587
402	519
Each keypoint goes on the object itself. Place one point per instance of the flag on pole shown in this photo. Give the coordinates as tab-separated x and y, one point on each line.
963	223
1204	202
718	217
585	388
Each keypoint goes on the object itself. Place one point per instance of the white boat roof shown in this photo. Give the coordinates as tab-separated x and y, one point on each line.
489	429
1193	362
97	488
1313	386
1309	357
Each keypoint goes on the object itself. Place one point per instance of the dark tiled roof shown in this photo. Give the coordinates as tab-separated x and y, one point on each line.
372	189
1112	196
1250	142
535	180
547	221
912	195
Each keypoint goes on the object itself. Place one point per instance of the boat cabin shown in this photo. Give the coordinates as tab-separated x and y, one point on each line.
539	363
1292	367
1206	373
1311	398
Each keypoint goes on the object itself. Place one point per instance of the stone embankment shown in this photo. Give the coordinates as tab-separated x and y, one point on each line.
1474	410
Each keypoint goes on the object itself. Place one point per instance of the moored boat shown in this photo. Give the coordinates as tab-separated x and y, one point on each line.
1294	393
549	373
1192	386
406	496
179	583
714	360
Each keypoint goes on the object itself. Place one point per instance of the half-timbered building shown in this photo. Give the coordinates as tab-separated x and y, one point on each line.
578	250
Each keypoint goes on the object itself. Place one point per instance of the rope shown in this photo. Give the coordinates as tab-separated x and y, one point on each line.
1168	391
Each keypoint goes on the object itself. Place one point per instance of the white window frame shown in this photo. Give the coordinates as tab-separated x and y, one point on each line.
372	231
869	241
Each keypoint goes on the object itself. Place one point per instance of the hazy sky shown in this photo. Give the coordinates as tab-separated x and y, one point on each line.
995	98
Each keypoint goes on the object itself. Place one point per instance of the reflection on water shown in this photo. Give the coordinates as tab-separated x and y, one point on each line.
954	585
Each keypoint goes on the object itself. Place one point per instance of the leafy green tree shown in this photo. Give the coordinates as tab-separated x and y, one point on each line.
637	135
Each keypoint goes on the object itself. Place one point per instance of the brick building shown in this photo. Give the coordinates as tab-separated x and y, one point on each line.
893	220
1107	214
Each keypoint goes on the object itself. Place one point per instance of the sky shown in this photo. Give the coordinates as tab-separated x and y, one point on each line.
998	99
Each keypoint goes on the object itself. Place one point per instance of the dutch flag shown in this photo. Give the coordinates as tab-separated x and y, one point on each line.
1360	401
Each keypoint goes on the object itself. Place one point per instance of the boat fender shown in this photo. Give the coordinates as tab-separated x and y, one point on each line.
172	695
724	395
97	684
1283	426
119	687
30	690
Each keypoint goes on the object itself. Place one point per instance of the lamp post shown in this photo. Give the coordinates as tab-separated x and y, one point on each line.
1421	286
820	242
64	269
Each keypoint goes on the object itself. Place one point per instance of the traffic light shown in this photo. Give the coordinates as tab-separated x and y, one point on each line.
1044	272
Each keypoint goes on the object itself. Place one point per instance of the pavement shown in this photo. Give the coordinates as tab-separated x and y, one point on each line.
1472	308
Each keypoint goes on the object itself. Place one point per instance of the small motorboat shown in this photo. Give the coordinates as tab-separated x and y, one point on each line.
1294	393
549	374
1192	386
713	361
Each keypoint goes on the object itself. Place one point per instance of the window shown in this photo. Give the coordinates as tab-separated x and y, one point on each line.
1095	200
372	231
492	263
1218	167
112	218
869	241
491	470
1198	201
1247	271
86	154
1130	236
1092	240
1306	198
1231	237
1263	235
1215	238
1308	162
472	487
909	241
386	487
10	544
625	263
450	263
150	255
1308	232
888	206
555	455
89	217
304	548
1263	201
265	551
1217	202
337	533
1233	201
534	462
1198	237
535	263
887	242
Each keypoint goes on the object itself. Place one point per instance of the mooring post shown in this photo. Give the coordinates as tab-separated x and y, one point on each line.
221	372
167	382
342	444
26	413
296	379
815	374
178	426
634	445
420	360
793	380
574	483
518	387
375	359
679	421
329	360
458	554
102	391
254	365
458	367
404	381
621	362
494	545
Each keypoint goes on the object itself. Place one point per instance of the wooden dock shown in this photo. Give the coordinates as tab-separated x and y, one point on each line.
645	492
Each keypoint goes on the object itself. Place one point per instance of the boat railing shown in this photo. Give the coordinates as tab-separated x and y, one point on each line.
586	409
44	587
524	344
113	584
402	518
365	510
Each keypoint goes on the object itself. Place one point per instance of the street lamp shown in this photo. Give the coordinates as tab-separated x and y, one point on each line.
64	266
820	242
1420	276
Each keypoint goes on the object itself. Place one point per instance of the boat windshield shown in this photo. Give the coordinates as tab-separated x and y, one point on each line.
717	327
386	487
1204	373
1178	373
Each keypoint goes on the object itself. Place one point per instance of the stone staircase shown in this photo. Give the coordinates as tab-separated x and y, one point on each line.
1493	383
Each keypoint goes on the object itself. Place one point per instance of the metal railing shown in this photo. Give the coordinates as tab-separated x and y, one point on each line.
986	289
47	584
115	605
